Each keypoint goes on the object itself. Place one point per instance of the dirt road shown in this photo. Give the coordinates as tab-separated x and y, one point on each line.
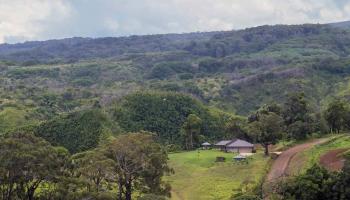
280	165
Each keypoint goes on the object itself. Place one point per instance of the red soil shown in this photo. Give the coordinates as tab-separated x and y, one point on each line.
332	160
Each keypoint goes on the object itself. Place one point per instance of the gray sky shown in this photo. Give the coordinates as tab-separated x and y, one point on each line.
22	20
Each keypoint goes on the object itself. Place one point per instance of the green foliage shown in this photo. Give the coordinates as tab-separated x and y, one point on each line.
94	167
297	116
165	113
77	131
315	184
21	73
336	115
191	128
28	162
267	129
140	163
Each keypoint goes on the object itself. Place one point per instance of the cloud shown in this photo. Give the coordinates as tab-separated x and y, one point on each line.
22	20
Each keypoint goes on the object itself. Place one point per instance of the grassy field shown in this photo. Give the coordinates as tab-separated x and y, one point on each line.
305	160
198	177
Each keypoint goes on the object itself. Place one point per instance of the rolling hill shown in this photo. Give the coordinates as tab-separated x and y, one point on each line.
236	71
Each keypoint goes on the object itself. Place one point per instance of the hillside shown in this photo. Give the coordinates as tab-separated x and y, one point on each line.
236	71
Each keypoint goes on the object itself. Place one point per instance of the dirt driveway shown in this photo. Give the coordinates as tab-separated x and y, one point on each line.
280	165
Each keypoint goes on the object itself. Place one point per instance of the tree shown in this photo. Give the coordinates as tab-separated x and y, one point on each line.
267	130
335	115
295	108
77	131
236	128
140	163
299	130
297	117
26	162
95	167
192	128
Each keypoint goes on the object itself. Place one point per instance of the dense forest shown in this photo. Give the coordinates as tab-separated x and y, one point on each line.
124	103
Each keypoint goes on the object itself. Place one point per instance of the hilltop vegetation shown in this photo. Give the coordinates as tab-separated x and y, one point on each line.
236	70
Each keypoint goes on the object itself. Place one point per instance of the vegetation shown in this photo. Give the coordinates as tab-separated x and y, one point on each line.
28	162
128	164
76	114
267	130
198	176
312	156
78	131
318	183
167	114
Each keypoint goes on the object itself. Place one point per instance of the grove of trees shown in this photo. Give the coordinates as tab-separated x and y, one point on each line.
126	166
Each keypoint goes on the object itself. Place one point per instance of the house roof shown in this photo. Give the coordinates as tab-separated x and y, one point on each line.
206	144
240	143
223	142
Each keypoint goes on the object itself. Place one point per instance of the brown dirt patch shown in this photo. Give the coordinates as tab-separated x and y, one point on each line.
332	160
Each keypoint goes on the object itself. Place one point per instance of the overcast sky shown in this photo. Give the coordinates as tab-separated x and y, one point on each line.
22	20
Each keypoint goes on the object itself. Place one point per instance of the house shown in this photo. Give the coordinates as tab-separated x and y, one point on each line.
206	145
235	145
222	144
240	146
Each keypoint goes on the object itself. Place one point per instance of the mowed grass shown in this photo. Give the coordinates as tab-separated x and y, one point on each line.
198	177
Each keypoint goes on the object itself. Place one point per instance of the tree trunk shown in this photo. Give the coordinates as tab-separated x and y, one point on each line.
30	194
120	188
266	148
191	140
128	189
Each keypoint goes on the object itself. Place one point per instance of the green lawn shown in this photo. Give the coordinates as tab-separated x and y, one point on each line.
198	176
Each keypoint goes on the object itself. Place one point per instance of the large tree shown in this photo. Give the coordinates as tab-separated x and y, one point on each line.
26	162
336	114
267	130
140	163
297	116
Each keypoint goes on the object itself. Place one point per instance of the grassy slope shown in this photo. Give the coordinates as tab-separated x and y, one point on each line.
197	176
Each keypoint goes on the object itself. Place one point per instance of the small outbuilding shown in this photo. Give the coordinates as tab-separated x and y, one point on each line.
206	145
